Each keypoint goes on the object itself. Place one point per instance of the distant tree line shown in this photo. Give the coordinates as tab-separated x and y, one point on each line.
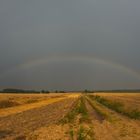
88	91
120	91
113	91
45	91
12	90
61	91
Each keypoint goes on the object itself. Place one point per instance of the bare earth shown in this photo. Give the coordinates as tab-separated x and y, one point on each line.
42	118
19	124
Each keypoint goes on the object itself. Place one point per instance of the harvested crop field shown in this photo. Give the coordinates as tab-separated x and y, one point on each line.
75	116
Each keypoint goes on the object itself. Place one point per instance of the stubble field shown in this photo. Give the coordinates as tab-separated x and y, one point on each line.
73	116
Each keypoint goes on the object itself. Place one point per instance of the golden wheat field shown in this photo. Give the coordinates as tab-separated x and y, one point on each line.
71	116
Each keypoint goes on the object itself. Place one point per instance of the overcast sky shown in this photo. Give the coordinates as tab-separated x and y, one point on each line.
70	44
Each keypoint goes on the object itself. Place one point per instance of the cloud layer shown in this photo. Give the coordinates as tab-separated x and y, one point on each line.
88	44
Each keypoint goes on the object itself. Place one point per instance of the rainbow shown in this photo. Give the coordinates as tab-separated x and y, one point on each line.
90	59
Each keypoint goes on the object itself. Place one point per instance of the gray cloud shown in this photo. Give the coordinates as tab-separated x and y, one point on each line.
30	30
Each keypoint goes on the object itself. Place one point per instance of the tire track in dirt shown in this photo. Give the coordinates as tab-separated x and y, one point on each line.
21	124
92	112
120	128
102	127
123	128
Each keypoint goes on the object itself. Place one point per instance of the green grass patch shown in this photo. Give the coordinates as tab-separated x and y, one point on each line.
84	134
81	134
71	132
69	118
118	107
78	109
81	109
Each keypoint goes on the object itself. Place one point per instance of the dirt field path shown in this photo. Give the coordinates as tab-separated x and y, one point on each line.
17	126
101	126
121	128
92	113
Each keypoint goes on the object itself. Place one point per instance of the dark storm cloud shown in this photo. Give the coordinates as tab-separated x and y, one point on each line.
31	30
